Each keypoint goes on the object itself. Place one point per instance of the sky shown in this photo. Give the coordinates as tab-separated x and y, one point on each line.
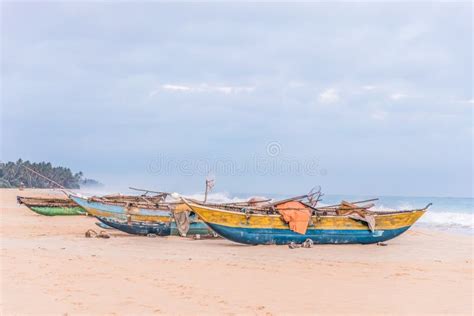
359	98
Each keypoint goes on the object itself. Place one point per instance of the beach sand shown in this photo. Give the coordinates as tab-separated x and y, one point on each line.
49	267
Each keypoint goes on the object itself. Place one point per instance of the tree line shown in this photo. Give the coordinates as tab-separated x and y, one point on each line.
13	175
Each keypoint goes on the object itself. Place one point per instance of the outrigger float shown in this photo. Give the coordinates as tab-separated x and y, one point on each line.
51	206
295	221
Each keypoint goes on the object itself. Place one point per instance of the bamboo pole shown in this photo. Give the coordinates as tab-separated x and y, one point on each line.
44	177
356	202
148	191
295	198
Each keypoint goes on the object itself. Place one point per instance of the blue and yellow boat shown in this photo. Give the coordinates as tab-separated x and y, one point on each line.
253	228
138	219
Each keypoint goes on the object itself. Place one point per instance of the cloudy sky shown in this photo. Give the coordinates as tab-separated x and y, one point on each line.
359	98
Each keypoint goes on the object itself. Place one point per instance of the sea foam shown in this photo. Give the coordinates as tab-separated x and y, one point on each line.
448	220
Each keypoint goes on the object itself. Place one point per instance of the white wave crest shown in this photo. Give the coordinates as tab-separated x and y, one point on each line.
441	219
218	197
448	219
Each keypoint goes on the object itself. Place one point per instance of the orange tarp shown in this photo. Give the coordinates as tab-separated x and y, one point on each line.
296	215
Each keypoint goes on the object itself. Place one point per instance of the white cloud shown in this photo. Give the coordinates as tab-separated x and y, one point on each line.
296	84
379	115
174	87
329	96
203	88
412	32
397	96
368	88
152	93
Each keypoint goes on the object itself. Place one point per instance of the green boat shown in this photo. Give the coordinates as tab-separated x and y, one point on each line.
51	206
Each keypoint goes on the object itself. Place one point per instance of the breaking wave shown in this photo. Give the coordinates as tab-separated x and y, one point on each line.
218	197
448	220
461	219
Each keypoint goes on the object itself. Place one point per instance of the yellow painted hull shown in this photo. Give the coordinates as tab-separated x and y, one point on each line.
271	229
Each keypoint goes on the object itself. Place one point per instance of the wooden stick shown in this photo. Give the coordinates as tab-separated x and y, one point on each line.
44	177
300	197
148	191
357	202
149	202
247	202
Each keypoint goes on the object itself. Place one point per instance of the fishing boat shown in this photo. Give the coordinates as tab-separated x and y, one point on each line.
51	206
143	215
280	222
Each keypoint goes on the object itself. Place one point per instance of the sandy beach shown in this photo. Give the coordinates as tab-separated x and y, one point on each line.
49	267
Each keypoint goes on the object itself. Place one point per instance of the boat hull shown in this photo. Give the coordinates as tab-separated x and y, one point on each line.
158	228
255	229
57	211
258	236
102	225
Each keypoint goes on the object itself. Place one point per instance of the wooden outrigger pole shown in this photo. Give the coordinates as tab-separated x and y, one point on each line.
356	202
148	191
310	195
44	177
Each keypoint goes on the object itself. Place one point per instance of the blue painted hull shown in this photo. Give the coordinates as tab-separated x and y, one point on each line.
104	226
259	236
158	228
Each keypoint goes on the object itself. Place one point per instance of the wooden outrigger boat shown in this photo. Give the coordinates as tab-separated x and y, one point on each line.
140	216
345	223
51	206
